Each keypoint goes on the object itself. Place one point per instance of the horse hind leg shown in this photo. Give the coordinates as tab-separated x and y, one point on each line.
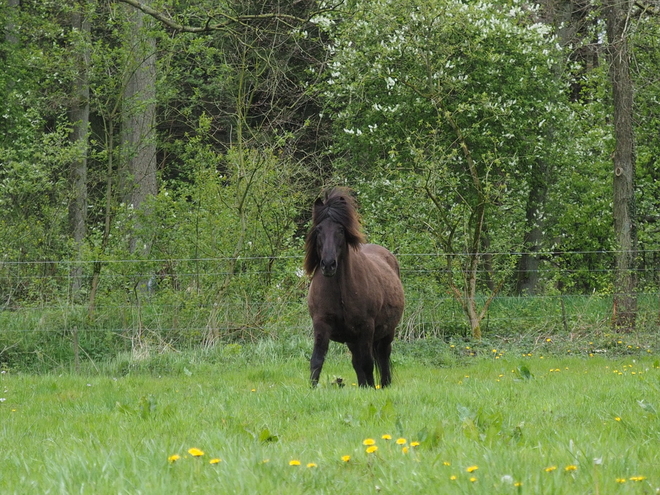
363	363
382	352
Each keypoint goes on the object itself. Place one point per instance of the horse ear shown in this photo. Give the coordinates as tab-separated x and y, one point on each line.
317	206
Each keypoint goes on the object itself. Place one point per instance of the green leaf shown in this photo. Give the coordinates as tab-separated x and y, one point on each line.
267	437
523	372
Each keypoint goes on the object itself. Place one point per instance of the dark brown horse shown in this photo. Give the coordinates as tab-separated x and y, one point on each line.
356	294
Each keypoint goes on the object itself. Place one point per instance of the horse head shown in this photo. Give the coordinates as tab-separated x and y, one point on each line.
330	246
335	227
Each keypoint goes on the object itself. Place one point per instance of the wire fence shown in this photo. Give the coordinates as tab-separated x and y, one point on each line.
56	310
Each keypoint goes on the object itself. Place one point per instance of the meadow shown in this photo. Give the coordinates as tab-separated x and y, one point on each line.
243	419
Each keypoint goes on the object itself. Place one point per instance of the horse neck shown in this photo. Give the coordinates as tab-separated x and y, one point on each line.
348	270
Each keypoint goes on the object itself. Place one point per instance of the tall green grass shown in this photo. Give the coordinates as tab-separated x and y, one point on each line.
56	337
497	422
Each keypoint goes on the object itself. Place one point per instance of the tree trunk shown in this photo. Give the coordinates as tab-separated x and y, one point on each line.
624	309
139	117
10	28
79	118
528	264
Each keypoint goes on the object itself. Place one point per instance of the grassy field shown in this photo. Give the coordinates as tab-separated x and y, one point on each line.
499	422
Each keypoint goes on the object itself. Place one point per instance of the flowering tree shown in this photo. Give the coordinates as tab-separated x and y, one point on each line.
460	102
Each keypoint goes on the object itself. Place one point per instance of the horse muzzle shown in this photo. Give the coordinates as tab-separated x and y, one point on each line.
328	268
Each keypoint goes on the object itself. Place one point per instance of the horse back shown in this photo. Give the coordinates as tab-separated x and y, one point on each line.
382	254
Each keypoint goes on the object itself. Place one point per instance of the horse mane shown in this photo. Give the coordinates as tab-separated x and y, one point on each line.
340	207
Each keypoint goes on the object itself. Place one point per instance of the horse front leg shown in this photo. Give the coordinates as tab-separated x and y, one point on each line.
363	363
321	343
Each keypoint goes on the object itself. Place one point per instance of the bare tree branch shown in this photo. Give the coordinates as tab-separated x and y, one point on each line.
229	20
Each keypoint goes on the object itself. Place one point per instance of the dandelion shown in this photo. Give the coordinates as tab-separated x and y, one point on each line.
550	469
215	461
473	479
453	477
346	458
311	465
368	441
404	450
471	469
386	437
637	478
371	449
173	458
518	484
617	418
570	467
195	452
446	463
620	480
414	444
294	462
401	441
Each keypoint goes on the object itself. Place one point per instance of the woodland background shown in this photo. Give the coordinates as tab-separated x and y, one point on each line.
158	162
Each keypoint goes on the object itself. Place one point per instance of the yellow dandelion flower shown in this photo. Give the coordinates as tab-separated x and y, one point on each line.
215	461
386	437
294	462
173	458
637	478
311	465
371	449
473	479
368	441
620	480
570	467
401	441
471	469
346	458
195	452
617	418
404	450
446	463
414	444
550	469
453	477
518	484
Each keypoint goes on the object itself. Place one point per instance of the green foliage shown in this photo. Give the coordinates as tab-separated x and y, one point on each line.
645	42
445	80
237	217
